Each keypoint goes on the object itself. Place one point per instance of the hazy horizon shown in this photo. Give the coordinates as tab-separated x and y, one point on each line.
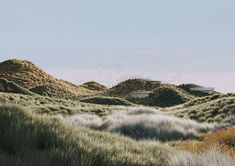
109	41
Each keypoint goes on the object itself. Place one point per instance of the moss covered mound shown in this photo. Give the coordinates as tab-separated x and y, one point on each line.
124	88
106	101
29	76
166	96
92	85
11	87
27	139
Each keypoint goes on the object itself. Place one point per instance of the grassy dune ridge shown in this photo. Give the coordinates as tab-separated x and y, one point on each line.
216	108
52	106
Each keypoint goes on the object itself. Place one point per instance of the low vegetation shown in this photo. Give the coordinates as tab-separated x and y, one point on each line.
208	158
142	123
216	108
106	101
29	140
222	140
53	106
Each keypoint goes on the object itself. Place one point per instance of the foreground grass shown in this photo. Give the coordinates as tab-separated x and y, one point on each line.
142	123
223	140
209	158
27	139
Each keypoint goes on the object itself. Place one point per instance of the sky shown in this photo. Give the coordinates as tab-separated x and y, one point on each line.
181	41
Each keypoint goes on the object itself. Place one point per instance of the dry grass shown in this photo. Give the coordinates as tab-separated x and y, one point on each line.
27	139
142	123
53	106
216	108
222	140
208	158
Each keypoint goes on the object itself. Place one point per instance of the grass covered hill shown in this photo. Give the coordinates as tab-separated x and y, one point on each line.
168	95
29	76
215	108
124	88
94	86
163	94
11	87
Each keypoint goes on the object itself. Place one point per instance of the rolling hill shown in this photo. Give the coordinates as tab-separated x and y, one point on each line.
123	89
166	96
29	76
163	94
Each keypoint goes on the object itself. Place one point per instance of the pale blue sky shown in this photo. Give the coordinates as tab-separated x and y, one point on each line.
111	40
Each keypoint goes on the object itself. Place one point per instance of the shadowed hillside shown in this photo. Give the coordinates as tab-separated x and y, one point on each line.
166	96
11	87
92	85
124	88
29	76
106	100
